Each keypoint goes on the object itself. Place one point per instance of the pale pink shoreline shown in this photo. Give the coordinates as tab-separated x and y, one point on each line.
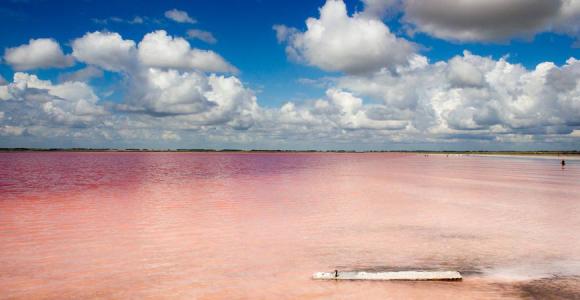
543	156
563	156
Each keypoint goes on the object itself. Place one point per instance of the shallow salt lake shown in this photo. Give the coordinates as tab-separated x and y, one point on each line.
258	225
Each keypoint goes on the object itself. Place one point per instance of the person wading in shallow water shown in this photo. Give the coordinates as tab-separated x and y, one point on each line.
563	163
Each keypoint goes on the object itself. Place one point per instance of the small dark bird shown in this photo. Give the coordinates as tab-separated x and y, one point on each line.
563	162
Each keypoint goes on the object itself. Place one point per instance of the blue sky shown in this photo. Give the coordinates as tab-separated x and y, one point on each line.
247	41
243	30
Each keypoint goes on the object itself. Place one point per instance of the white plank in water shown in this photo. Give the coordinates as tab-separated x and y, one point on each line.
402	275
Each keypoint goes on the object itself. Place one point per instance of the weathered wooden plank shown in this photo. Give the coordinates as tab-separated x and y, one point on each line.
401	275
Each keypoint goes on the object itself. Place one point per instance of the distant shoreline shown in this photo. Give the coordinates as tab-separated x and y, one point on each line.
502	153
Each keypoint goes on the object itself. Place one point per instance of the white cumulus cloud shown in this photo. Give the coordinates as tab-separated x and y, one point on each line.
336	41
37	54
157	49
179	16
107	50
169	92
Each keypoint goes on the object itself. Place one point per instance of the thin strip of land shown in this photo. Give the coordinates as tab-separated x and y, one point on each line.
475	152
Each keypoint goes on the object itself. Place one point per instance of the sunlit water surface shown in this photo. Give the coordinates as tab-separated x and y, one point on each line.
257	225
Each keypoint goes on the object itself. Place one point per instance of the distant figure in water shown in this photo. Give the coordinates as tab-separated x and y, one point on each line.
563	163
335	273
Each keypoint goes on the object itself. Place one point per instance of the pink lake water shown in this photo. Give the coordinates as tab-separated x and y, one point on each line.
257	225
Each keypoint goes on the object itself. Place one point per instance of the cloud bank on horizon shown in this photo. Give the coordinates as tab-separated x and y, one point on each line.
381	90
